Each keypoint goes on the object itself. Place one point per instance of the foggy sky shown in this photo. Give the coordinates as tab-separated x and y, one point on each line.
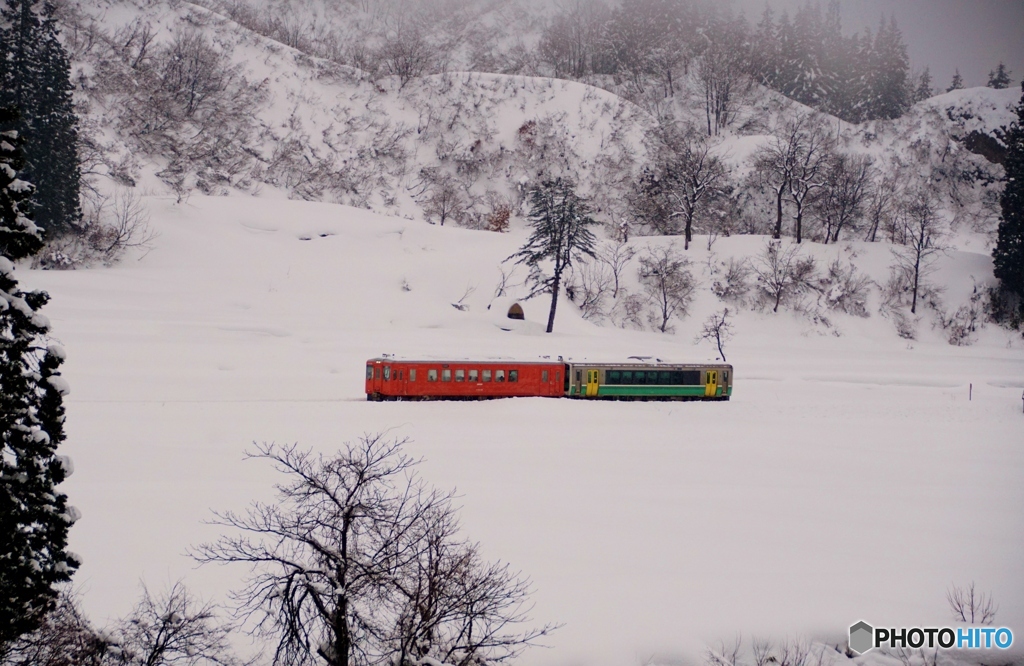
972	35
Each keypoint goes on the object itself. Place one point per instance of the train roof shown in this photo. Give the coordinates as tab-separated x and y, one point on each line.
498	360
640	362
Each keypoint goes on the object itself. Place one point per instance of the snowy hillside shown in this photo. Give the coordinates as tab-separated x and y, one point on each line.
320	131
850	477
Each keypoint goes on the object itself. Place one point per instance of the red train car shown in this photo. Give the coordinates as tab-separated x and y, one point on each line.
394	379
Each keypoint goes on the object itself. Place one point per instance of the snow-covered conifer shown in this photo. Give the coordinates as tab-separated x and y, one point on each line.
957	83
560	220
34	516
1000	78
1008	255
36	82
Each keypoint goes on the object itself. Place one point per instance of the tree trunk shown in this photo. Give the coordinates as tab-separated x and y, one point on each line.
778	215
917	273
799	222
342	641
554	301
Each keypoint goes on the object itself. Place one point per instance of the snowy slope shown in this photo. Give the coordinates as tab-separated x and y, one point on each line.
850	477
326	132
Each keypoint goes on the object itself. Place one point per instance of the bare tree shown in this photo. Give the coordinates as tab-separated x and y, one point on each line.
616	256
847	187
192	72
762	650
724	654
794	163
720	71
65	638
773	165
780	271
589	286
793	652
359	563
571	40
126	225
174	628
444	199
811	157
717	329
668	283
923	235
406	51
881	202
685	181
968	605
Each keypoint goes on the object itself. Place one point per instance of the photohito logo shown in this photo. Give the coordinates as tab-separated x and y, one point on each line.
864	637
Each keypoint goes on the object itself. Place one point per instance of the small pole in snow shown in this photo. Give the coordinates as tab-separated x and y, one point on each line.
1022	394
970	392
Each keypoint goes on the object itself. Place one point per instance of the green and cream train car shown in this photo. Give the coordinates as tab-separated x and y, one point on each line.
648	381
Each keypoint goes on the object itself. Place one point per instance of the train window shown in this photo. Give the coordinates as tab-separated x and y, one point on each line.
473	376
446	375
399	375
487	375
579	375
369	372
627	376
499	375
432	375
639	377
691	377
412	374
613	377
544	376
664	377
387	372
460	375
513	375
725	377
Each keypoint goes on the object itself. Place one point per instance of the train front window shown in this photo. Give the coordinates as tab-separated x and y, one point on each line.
387	372
369	372
460	375
513	375
473	376
432	375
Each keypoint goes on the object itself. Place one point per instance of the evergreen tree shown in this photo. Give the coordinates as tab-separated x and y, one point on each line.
958	82
889	66
1000	78
34	517
924	86
1008	255
559	218
36	81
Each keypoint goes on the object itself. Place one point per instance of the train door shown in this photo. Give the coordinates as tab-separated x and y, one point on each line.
711	383
592	382
374	382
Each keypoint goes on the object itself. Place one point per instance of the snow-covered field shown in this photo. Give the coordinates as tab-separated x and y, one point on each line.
849	478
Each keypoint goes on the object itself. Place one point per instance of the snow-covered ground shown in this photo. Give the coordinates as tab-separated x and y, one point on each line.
849	478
